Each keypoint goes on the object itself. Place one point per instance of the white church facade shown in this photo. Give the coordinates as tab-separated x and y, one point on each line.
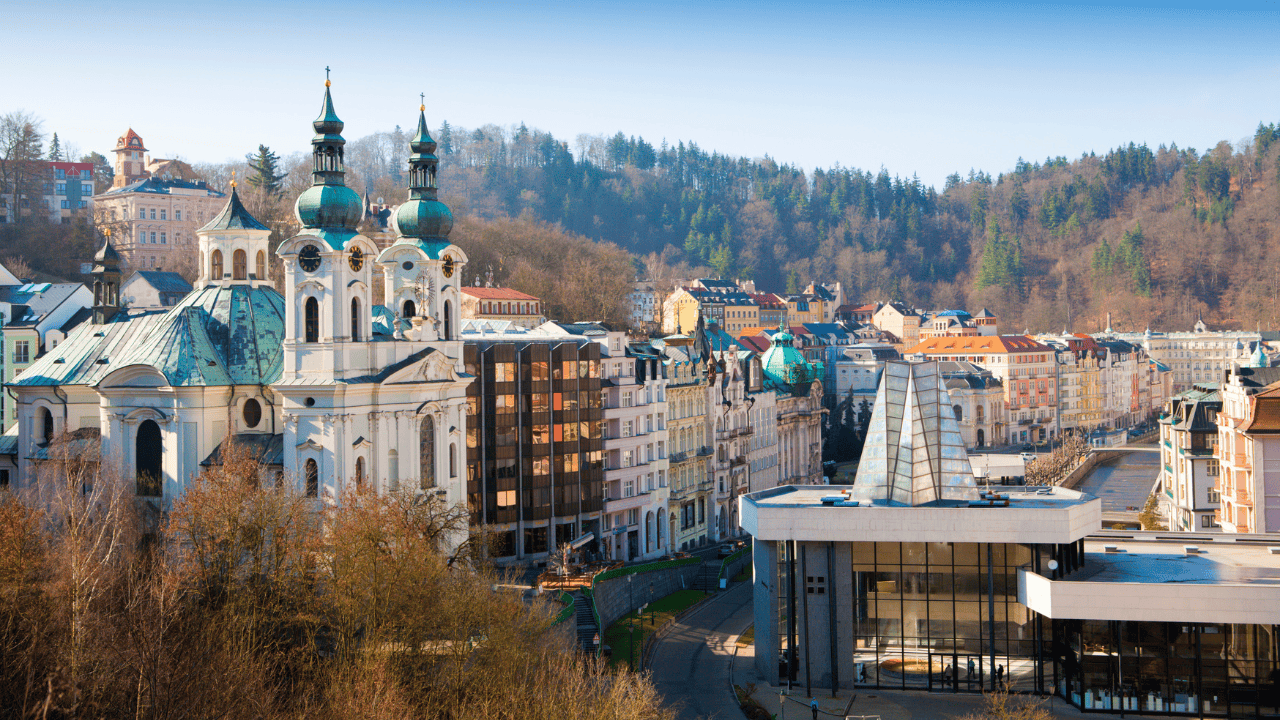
330	387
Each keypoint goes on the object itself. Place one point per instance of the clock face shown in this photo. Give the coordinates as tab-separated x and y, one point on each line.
309	258
448	266
356	261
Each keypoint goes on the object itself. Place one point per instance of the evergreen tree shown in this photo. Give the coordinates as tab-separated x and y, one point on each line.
444	138
264	166
55	149
793	282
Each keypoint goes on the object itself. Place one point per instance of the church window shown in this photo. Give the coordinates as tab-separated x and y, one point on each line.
252	413
46	425
427	454
312	472
448	320
148	451
239	265
410	310
359	474
393	469
311	320
261	265
355	319
215	266
453	460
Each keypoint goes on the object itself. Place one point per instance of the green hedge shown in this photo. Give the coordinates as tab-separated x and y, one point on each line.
724	564
567	612
647	567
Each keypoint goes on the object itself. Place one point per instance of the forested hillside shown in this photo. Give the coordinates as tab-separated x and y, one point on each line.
1151	235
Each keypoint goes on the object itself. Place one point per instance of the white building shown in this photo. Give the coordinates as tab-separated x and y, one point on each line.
324	386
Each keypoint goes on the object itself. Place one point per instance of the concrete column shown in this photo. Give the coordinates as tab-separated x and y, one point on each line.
767	606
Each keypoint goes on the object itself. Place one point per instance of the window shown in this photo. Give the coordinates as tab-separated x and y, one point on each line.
149	451
410	310
22	351
142	236
427	453
453	460
1211	468
252	413
310	319
627	399
164	240
239	265
633	516
1214	496
355	319
359	474
162	215
62	187
46	422
153	213
153	238
177	214
61	175
66	204
628	488
215	265
1207	521
261	266
448	320
312	473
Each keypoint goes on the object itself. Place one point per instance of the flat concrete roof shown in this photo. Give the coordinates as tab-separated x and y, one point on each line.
1033	515
1151	576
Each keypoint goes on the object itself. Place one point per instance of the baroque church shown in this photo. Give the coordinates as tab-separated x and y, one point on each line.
329	387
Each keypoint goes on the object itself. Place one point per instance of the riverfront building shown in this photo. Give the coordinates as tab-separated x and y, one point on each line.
914	578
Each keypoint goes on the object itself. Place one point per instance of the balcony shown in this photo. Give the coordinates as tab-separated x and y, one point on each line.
740	460
1243	497
704	451
679	457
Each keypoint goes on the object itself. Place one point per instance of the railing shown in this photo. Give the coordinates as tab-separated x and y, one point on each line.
704	451
740	460
724	564
568	610
679	457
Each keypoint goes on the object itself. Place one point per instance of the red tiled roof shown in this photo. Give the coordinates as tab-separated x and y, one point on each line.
491	293
984	343
759	343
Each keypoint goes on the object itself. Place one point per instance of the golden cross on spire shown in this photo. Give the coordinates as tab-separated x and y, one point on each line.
233	179
326	76
423	98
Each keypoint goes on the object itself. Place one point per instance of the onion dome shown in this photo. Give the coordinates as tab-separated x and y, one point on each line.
423	217
1259	358
328	204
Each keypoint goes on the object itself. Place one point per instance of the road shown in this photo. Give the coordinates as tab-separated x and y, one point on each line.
691	664
1124	482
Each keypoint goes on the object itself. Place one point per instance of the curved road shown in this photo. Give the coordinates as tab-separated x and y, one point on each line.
690	665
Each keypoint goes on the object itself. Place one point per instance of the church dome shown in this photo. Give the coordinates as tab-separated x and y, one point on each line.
107	253
425	218
782	362
335	207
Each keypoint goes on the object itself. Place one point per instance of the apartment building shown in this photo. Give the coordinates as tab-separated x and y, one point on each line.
1201	355
977	402
1188	467
1248	451
735	385
687	409
1026	368
66	188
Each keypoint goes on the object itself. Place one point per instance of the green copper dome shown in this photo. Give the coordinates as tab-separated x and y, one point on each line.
423	216
1259	358
785	366
329	204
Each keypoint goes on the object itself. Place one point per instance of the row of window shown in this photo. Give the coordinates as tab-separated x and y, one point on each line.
311	310
61	189
61	174
239	264
509	308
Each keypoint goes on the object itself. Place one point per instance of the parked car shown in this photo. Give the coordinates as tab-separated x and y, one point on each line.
1028	457
726	550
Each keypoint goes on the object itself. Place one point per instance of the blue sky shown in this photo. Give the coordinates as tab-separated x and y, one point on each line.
927	88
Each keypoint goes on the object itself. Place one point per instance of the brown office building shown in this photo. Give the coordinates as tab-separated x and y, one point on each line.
535	462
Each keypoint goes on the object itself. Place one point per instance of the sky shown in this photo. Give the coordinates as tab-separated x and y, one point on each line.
917	88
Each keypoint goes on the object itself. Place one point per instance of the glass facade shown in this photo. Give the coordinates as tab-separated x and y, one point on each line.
535	455
945	617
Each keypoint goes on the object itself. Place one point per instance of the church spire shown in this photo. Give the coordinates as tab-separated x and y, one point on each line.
329	204
106	282
423	217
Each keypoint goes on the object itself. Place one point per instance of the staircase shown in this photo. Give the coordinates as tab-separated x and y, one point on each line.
708	578
586	623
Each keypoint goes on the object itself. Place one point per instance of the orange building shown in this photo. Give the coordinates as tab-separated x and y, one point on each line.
488	303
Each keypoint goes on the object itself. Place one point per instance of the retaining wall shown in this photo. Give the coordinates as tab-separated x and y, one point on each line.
614	599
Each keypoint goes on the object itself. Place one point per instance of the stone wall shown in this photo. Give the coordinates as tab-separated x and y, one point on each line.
614	598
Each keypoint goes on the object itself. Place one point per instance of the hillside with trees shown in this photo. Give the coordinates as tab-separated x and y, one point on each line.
1151	235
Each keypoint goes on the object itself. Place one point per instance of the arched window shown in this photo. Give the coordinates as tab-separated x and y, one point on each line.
448	320
427	454
147	453
46	425
453	461
312	473
359	474
410	310
311	320
959	411
978	414
261	268
355	319
239	265
215	266
981	437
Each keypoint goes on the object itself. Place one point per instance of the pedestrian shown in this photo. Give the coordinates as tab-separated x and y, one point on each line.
814	707
862	672
946	675
970	676
1000	675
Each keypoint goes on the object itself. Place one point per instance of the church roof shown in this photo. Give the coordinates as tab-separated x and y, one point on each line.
218	335
165	282
234	216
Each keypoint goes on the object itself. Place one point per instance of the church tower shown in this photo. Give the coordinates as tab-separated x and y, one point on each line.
233	247
106	283
422	270
327	267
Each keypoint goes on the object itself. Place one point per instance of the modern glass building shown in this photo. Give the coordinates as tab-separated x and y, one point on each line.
963	591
